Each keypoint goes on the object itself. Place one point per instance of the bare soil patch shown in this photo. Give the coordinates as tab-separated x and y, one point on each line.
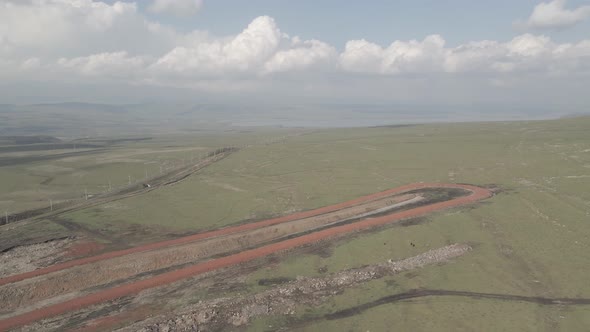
31	257
84	248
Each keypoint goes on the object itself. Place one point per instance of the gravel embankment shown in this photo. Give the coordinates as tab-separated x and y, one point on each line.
284	299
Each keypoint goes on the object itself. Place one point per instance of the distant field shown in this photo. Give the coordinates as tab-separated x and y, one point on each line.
33	174
530	239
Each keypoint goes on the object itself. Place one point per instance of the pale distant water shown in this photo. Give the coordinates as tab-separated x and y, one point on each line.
82	119
357	116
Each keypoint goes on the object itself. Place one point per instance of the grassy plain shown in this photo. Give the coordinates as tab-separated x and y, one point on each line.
530	239
34	174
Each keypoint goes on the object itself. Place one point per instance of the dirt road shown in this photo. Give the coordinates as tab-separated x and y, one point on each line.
476	194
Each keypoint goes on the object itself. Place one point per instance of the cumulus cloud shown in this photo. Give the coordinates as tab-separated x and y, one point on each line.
259	49
244	52
399	57
550	15
524	53
96	41
303	55
64	28
176	7
115	65
49	22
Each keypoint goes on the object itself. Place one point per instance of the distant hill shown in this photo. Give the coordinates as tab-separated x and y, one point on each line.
79	106
575	115
22	140
76	119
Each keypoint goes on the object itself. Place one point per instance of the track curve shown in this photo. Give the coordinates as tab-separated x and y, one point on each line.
476	194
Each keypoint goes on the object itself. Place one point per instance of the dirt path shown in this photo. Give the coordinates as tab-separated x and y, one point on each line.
110	272
418	293
205	235
477	194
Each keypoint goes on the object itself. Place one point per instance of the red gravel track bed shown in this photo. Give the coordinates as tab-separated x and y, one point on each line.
477	194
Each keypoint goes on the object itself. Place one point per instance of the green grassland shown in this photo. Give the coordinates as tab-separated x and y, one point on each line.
530	239
67	174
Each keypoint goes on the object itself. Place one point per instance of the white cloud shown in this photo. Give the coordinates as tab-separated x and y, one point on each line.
101	16
528	45
58	28
254	45
553	14
112	65
414	56
400	57
304	55
361	56
573	59
94	41
54	21
473	56
245	52
524	53
176	7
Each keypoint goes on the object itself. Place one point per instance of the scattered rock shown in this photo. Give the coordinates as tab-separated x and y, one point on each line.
283	299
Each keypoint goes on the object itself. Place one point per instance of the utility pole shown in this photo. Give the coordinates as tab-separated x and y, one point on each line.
6	217
50	205
129	176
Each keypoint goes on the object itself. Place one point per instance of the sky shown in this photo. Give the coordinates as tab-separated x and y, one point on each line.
533	54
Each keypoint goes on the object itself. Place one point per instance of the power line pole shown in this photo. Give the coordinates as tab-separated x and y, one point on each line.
50	205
